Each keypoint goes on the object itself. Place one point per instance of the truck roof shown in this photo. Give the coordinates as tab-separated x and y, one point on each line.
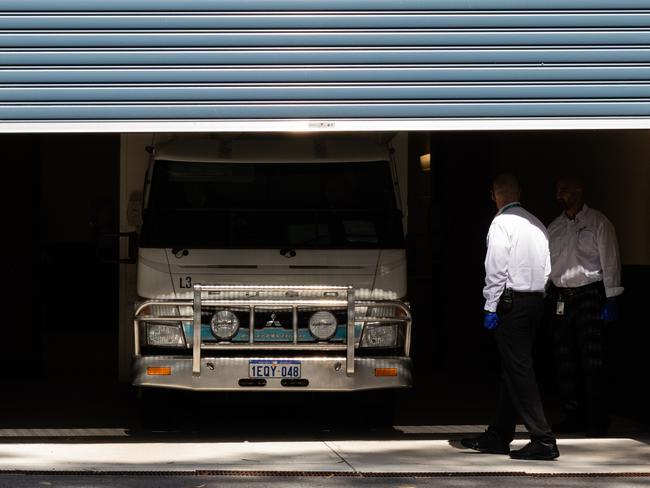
273	150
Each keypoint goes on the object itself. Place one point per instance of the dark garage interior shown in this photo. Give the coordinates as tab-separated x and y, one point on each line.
615	169
61	201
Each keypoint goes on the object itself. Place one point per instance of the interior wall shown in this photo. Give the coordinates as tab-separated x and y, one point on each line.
20	197
419	204
79	180
60	192
462	166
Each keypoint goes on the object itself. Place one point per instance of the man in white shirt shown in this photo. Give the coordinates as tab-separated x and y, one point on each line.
586	274
517	266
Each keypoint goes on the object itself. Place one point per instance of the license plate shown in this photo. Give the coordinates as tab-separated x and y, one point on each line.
267	368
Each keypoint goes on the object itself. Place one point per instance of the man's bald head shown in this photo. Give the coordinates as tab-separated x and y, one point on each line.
505	189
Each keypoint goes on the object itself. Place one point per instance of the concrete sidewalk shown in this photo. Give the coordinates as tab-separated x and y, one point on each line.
579	456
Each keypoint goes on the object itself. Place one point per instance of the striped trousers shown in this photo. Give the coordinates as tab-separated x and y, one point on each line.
579	344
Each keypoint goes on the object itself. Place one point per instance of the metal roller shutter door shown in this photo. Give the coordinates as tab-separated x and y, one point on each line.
121	65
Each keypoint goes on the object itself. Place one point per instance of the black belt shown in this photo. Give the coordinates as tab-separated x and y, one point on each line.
528	293
577	290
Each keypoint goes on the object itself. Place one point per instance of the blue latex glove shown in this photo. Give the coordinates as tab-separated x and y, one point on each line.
490	320
609	313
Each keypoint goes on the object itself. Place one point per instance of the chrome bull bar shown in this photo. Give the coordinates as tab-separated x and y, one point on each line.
342	297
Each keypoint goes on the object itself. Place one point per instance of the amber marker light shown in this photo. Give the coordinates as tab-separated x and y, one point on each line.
159	371
385	371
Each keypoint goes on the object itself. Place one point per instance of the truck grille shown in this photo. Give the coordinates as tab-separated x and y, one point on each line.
272	325
279	316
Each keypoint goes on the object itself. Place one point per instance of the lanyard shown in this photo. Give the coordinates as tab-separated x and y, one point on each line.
510	205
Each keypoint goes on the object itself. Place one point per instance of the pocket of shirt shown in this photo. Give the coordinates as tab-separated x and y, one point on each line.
586	239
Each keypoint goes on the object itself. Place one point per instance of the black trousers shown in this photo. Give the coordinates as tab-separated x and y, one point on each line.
519	395
579	344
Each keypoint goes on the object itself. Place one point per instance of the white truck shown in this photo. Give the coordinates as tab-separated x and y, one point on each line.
272	264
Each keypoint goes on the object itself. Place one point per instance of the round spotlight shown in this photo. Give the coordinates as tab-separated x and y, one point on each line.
224	325
322	325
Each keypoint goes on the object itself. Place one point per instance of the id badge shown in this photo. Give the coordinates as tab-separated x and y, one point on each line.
559	309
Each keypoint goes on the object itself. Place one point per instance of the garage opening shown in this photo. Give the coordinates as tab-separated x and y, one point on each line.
66	203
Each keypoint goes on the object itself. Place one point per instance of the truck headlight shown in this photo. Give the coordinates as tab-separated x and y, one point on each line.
322	325
165	335
224	325
379	335
381	312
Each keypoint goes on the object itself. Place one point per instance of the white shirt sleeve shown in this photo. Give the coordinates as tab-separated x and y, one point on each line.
496	260
547	269
610	260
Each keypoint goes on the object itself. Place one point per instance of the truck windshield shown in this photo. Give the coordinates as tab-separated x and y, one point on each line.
271	205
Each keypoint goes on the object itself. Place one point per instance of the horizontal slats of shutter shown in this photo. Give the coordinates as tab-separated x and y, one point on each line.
74	60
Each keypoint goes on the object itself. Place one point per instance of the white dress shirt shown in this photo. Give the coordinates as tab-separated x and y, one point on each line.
584	251
517	254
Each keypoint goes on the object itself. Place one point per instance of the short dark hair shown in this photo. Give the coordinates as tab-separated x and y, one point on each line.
506	184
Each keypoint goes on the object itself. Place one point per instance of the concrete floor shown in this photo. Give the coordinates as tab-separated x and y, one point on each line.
401	455
355	481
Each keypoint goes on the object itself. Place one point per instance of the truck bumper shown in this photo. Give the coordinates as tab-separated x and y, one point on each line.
232	374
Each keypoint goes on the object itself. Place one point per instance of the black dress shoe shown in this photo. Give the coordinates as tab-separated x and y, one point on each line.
489	442
537	451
